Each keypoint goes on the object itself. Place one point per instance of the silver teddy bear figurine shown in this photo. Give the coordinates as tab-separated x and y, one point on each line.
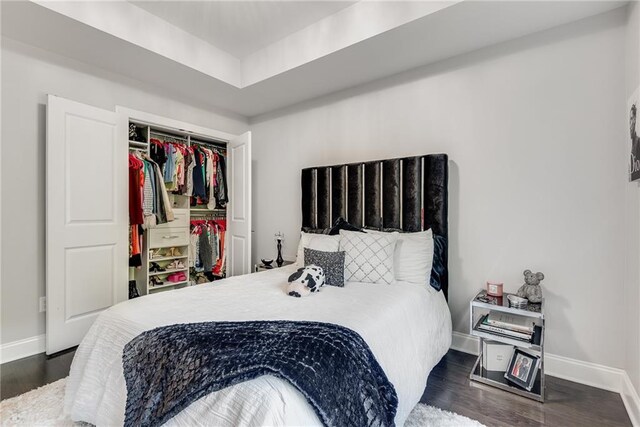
531	289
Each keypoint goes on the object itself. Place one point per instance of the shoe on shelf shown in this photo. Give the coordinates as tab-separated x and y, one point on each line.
201	278
175	265
154	281
155	268
174	252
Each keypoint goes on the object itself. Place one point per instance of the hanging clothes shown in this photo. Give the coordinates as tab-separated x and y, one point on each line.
148	199
198	176
219	268
161	205
211	181
190	164
157	152
180	160
150	172
193	248
164	199
136	176
221	194
169	167
205	250
206	246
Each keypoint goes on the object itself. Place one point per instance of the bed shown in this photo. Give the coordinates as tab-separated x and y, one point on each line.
96	390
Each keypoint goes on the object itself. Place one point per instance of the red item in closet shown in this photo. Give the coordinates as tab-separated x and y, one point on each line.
222	227
136	215
135	241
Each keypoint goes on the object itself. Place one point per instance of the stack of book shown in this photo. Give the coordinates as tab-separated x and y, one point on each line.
507	325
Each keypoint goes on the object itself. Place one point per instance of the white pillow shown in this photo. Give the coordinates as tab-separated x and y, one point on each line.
368	257
413	258
319	242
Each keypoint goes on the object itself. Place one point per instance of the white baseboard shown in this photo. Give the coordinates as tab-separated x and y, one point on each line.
591	374
22	348
586	373
631	400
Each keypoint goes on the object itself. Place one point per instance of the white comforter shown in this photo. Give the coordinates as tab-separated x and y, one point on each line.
408	328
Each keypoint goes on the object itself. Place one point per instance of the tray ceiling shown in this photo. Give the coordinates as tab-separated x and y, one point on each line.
242	27
348	44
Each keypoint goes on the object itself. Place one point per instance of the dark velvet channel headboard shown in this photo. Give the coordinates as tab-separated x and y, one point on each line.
407	194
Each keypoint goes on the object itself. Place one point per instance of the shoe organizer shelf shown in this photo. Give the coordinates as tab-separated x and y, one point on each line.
165	259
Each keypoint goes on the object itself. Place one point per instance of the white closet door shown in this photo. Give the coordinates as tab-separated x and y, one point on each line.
87	218
239	218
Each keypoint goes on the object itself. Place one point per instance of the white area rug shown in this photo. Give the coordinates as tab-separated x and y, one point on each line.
43	407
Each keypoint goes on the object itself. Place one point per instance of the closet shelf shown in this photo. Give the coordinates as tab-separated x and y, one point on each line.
168	258
168	285
160	273
138	144
218	210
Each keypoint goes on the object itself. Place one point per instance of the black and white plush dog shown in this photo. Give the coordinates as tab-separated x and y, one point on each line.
306	280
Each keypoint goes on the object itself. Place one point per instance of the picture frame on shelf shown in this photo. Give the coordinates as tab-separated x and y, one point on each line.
523	369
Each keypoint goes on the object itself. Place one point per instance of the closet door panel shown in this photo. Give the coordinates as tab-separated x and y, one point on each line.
83	265
86	176
87	218
238	240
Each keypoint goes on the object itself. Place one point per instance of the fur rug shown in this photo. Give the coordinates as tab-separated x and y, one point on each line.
43	407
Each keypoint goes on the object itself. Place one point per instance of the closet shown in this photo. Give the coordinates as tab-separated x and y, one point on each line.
189	247
93	236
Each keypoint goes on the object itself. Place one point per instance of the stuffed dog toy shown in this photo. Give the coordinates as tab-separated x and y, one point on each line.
306	280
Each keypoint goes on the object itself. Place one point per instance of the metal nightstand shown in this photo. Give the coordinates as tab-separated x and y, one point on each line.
478	307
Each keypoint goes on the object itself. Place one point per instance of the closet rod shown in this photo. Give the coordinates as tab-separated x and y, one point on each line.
218	145
168	135
213	214
152	128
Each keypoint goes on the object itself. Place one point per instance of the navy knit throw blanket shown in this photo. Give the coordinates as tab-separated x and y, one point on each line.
168	368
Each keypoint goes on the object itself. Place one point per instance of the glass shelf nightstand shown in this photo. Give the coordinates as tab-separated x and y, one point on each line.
481	305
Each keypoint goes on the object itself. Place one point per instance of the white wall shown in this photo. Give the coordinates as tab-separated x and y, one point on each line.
632	210
28	75
533	129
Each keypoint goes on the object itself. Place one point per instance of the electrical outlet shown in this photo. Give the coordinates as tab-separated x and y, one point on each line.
43	304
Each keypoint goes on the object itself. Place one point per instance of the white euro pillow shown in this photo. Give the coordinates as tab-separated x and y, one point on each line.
319	242
413	258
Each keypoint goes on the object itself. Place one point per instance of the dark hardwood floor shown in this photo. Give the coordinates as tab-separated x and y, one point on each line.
22	375
567	403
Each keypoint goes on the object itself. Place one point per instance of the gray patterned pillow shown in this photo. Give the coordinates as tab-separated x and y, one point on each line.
331	262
